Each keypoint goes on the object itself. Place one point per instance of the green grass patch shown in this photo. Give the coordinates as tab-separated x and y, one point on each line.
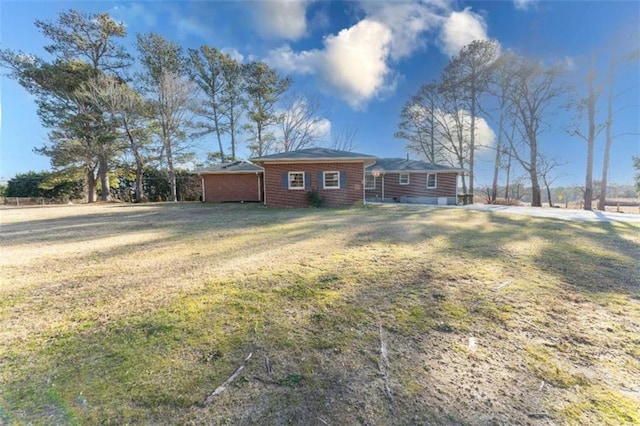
139	317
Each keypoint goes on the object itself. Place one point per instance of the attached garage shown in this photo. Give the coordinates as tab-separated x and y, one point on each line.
232	182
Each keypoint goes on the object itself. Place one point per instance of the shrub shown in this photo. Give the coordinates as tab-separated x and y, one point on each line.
507	202
314	198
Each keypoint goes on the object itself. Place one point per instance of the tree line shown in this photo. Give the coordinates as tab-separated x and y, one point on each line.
61	187
108	110
518	93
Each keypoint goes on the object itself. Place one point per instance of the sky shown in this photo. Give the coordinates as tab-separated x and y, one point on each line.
362	60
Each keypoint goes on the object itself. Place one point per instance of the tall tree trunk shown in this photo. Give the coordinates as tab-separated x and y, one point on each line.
464	184
591	111
607	148
139	182
432	145
496	166
536	197
139	163
219	138
472	142
548	194
172	181
233	138
506	188
260	153
91	186
103	172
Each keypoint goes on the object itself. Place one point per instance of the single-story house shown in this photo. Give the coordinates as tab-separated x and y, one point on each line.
410	181
337	176
341	178
239	181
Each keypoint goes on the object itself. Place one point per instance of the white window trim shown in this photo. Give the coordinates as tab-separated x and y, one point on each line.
374	182
296	188
435	185
324	180
400	178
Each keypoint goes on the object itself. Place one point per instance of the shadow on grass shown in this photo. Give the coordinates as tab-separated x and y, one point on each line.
320	332
319	329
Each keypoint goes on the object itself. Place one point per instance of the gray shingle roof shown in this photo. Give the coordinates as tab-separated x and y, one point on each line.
314	154
389	165
235	167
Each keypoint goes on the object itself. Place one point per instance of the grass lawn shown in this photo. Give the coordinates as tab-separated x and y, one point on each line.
384	314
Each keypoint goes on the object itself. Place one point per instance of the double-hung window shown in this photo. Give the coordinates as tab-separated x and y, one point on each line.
331	180
296	180
432	180
369	182
404	178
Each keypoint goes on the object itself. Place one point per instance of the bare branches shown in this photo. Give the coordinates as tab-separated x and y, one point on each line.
344	139
227	382
301	123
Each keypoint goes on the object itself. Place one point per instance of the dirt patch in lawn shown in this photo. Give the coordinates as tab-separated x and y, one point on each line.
377	315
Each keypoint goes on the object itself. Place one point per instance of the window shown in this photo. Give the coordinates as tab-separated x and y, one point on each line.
369	182
331	180
404	178
296	180
432	180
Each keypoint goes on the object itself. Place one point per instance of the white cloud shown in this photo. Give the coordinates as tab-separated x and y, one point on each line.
322	129
484	137
355	61
134	12
234	53
288	61
568	63
286	19
408	22
352	63
460	29
523	4
190	26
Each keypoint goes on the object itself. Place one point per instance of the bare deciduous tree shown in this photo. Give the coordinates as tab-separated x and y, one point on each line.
345	139
302	124
589	103
533	89
614	62
420	126
548	170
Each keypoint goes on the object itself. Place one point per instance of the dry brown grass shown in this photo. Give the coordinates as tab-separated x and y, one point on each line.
135	313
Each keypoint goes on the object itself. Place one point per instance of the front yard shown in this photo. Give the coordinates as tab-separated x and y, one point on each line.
386	314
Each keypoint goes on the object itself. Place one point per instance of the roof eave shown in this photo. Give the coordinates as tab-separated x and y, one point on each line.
229	172
420	171
312	160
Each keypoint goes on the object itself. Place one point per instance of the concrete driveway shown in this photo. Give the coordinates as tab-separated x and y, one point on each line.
564	214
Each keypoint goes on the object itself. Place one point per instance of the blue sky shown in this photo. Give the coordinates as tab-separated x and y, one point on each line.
361	59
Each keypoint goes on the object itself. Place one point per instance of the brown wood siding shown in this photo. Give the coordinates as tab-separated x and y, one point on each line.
446	186
232	187
278	196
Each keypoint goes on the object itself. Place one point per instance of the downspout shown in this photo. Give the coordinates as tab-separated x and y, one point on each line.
203	196
264	186
364	184
258	176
